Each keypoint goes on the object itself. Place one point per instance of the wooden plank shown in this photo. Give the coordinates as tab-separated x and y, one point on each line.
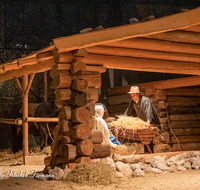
128	52
142	64
195	28
165	84
184	117
156	45
172	22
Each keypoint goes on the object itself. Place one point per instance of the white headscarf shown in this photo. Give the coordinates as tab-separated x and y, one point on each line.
102	125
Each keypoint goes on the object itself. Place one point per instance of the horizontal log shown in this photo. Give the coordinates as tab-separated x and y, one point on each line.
186	146
83	160
92	95
186	132
185	124
61	79
119	99
65	113
62	94
77	66
69	151
184	117
156	45
183	110
183	99
142	64
84	147
128	52
67	139
96	136
181	103
78	99
165	84
96	68
185	139
80	131
39	119
29	61
11	66
17	121
80	115
44	55
63	57
79	85
118	108
93	78
177	36
90	106
183	92
36	68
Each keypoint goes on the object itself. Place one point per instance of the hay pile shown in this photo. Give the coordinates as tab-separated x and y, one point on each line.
120	149
128	122
95	173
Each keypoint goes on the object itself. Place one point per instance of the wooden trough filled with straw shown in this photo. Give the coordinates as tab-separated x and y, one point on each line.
134	129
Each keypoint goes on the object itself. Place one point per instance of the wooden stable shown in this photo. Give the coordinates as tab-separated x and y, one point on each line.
170	45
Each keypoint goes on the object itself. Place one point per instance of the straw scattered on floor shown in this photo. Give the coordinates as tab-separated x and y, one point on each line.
96	173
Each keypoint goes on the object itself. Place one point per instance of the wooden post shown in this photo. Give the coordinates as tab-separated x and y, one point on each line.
45	85
25	115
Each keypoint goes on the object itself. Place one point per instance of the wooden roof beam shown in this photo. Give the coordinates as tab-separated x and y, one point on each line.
168	23
193	28
156	45
160	85
177	36
36	68
127	52
139	64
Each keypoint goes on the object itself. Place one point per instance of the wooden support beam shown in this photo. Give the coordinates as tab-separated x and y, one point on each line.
24	116
140	64
128	52
177	36
45	86
172	22
183	92
38	119
156	45
165	84
17	82
36	68
17	121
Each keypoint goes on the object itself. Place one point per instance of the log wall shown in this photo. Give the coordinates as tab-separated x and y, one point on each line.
178	110
75	85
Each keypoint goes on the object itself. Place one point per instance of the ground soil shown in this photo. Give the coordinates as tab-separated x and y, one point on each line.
186	180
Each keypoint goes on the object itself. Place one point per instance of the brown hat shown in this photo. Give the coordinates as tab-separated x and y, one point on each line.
134	89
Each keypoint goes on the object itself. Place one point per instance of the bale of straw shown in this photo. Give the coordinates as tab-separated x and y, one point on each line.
95	173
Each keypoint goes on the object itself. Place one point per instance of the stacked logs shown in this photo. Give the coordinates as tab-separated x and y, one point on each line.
178	110
75	85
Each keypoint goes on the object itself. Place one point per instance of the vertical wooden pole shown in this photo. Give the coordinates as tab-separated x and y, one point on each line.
24	115
45	86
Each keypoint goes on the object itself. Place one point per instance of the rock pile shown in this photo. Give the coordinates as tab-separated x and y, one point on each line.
139	165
